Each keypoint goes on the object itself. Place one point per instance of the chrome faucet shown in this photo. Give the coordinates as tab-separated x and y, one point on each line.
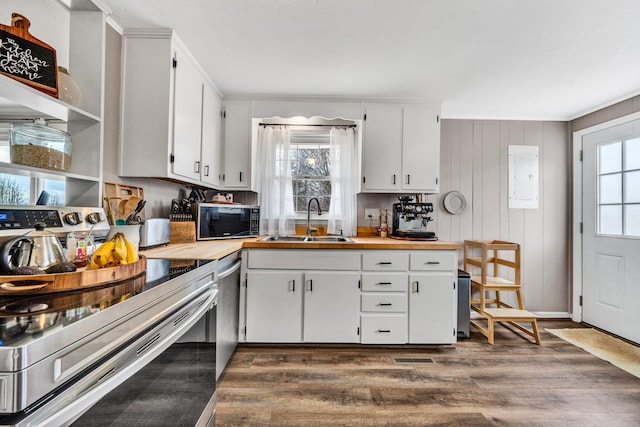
309	229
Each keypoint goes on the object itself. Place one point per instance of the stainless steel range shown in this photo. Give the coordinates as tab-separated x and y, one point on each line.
62	353
18	219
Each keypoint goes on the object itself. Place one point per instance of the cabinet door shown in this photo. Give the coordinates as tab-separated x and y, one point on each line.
421	148
331	307
432	308
382	147
274	306
211	135
237	146
187	117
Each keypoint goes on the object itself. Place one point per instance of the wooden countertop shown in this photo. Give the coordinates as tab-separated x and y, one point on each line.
216	249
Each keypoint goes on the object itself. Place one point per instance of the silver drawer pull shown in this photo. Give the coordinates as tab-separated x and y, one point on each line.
432	262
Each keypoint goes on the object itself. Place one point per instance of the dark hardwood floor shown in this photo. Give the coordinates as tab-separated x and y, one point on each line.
513	383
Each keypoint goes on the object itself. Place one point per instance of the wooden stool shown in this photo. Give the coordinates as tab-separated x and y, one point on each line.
510	316
490	256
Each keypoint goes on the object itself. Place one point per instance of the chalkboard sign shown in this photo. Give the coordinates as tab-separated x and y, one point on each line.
27	59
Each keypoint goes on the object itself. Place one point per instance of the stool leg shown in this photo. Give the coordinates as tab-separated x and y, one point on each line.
520	300
490	329
536	333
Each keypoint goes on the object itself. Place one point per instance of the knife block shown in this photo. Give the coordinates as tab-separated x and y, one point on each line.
182	232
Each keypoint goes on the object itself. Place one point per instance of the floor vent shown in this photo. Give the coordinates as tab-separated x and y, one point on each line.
413	360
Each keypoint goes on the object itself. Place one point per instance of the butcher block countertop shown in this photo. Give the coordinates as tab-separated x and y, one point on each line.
216	249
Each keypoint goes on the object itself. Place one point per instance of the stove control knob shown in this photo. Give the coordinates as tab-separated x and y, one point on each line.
93	218
72	218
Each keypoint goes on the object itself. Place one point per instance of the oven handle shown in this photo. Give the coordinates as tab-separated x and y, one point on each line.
73	402
230	270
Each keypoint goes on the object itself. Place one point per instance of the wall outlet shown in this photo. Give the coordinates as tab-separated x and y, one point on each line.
373	214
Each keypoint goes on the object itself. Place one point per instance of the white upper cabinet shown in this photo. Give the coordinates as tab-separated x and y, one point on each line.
382	147
421	148
187	116
237	145
83	37
401	148
211	154
167	122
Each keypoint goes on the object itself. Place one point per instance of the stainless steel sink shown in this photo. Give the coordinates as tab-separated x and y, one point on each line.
316	239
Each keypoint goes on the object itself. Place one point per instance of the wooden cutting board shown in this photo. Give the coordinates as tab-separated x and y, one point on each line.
127	198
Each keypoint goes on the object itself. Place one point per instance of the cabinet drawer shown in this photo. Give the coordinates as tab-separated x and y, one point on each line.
303	259
381	303
383	328
385	260
433	260
384	282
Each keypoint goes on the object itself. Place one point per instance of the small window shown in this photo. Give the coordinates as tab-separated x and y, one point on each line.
618	184
15	189
310	170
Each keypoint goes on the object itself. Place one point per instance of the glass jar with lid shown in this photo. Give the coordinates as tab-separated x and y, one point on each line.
39	145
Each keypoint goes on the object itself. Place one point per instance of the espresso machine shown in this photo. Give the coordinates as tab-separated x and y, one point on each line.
410	219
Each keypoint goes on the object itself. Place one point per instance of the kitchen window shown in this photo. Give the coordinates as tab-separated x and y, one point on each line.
310	169
25	190
297	162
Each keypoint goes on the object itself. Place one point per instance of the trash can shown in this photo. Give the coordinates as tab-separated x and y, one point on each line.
464	306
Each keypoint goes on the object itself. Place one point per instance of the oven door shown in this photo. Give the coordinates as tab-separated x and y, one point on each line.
111	378
177	388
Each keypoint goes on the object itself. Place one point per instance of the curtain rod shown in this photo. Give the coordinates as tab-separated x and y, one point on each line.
293	124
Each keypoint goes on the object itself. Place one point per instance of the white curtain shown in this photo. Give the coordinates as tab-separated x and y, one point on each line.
343	210
274	181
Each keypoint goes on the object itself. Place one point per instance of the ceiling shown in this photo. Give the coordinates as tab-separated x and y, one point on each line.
485	59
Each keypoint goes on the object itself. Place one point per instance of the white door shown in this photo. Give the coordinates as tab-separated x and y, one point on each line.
331	307
187	117
237	145
611	235
382	148
432	308
274	306
420	148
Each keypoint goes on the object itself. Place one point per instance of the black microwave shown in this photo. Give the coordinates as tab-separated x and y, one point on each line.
226	221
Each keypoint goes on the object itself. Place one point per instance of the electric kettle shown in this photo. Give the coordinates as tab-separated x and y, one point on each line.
38	248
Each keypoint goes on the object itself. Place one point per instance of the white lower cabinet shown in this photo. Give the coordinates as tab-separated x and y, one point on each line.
302	296
433	298
331	307
384	328
322	296
274	306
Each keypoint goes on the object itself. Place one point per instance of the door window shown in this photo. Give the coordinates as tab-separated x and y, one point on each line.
618	179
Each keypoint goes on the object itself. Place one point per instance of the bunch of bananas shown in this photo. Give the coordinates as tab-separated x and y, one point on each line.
116	251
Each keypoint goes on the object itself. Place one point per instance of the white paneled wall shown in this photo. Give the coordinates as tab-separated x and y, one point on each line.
474	162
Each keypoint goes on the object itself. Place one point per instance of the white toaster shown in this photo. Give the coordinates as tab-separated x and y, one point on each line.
154	232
